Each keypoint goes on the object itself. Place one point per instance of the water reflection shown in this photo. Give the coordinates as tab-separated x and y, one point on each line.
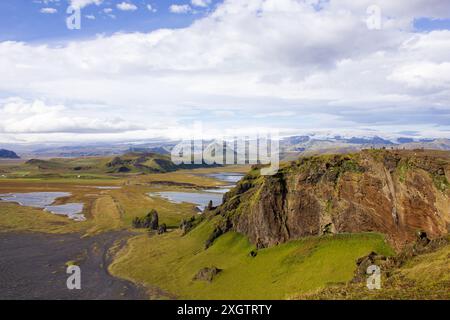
43	200
202	199
232	177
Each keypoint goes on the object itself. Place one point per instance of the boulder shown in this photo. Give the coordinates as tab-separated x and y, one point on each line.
253	253
207	274
363	263
162	229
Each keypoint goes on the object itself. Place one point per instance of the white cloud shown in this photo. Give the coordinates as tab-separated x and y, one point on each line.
84	3
201	3
423	75
108	12
90	16
151	8
182	8
46	2
126	6
48	10
396	9
272	57
275	114
23	117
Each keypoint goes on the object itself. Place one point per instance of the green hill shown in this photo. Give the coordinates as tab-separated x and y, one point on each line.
130	163
141	162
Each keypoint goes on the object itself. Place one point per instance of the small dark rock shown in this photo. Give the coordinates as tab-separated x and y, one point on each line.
423	237
207	274
363	263
210	206
162	229
328	229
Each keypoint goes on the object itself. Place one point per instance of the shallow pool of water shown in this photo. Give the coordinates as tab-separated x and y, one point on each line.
71	210
33	199
232	177
43	200
201	199
220	191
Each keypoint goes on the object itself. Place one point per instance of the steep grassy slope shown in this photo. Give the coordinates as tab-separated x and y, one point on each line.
171	261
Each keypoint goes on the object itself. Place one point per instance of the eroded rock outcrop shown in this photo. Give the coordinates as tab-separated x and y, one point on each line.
207	274
150	221
398	193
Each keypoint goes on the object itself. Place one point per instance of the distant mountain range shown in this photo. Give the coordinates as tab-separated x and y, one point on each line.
291	147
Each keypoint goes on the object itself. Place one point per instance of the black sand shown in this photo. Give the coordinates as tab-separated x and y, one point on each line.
33	266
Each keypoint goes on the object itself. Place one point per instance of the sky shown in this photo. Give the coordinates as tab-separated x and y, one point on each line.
143	69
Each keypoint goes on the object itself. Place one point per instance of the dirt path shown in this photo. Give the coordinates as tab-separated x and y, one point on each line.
33	266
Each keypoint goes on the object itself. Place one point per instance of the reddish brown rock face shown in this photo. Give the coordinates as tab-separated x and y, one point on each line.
397	193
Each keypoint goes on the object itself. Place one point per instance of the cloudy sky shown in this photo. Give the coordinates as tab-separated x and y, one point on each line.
140	69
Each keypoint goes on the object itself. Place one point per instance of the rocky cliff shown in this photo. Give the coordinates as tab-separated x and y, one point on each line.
398	193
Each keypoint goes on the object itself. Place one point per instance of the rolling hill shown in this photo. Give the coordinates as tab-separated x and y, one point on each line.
129	163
